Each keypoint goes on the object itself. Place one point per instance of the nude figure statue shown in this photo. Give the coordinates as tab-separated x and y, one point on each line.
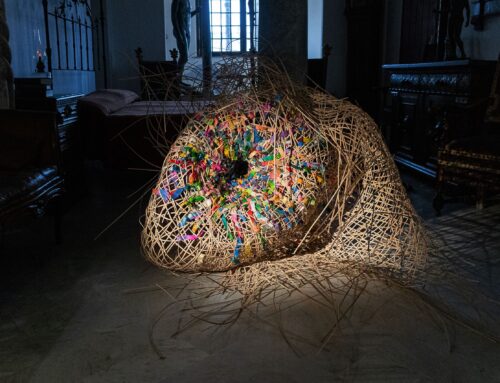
181	21
455	22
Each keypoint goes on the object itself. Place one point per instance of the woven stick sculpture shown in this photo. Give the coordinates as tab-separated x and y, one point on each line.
281	180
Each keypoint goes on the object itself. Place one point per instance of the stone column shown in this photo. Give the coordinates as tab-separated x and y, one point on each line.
283	34
6	75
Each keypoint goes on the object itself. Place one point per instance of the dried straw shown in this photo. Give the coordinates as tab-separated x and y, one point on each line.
348	209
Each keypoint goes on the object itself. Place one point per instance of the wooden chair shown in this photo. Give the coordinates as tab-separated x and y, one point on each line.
160	80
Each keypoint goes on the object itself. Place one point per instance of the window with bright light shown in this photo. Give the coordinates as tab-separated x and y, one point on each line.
234	25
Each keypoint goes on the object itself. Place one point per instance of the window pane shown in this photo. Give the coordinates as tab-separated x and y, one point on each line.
225	45
215	19
215	5
226	28
226	19
235	19
216	45
226	6
235	32
216	32
226	32
230	45
235	6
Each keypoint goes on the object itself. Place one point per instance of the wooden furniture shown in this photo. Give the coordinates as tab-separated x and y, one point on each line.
160	80
429	104
70	141
30	179
126	133
64	108
473	163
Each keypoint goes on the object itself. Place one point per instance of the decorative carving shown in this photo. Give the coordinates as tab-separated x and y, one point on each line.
67	110
445	83
174	53
437	127
65	8
444	101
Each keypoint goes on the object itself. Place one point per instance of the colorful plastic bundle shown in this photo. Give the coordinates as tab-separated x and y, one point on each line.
237	181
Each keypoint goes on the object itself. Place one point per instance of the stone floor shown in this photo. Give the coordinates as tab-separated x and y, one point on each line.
90	310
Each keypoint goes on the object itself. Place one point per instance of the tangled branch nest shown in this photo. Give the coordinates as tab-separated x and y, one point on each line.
278	185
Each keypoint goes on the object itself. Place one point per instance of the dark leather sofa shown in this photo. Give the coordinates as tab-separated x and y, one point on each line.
30	181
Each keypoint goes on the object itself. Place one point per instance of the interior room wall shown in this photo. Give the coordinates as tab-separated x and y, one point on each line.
27	34
283	34
131	24
102	72
335	34
392	31
479	45
485	44
69	82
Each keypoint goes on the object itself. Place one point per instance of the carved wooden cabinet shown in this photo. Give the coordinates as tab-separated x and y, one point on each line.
429	104
70	144
70	141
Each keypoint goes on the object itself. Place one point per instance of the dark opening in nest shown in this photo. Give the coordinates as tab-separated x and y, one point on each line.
239	169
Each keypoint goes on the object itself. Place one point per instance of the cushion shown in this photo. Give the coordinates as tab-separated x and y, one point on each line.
108	101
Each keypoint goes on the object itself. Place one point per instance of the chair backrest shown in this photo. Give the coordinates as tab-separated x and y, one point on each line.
160	80
28	139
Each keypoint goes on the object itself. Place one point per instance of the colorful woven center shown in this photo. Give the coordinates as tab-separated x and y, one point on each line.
246	170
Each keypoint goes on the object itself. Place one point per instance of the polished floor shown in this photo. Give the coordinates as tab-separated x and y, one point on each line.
92	310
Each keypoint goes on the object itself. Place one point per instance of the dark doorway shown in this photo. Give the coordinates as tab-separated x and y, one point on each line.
365	20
